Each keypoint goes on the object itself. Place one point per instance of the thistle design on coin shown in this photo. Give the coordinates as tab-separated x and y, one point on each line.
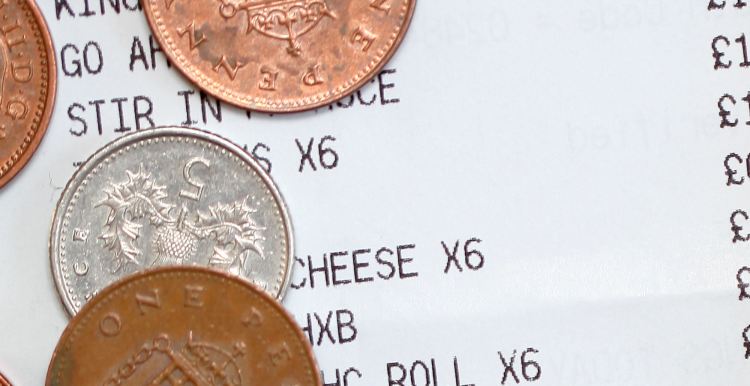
129	202
169	197
230	225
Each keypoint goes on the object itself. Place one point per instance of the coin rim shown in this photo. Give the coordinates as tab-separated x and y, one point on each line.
4	381
335	97
188	271
41	130
112	147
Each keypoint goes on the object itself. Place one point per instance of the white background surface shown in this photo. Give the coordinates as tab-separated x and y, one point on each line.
579	140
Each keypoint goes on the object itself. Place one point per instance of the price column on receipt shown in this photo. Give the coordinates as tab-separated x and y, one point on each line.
730	56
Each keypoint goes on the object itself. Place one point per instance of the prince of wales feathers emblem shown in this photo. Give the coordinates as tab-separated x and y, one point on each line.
140	200
279	19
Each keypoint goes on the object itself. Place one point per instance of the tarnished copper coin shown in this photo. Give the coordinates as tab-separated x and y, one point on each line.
27	83
279	55
183	326
3	381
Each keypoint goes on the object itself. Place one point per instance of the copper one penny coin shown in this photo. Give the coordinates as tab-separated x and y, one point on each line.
3	381
183	326
279	55
27	83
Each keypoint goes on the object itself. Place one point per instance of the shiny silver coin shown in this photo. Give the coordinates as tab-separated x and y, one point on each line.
165	197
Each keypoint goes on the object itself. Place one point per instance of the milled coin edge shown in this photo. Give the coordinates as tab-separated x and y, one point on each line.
51	97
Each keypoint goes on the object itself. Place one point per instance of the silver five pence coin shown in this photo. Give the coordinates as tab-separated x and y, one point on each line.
164	197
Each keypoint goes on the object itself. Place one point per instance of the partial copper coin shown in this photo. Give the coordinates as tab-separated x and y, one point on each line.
183	326
279	55
27	83
3	381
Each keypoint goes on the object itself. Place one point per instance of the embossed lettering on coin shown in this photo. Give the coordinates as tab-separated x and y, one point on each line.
279	55
238	336
27	83
167	197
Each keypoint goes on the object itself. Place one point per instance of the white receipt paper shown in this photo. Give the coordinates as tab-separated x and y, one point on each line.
531	192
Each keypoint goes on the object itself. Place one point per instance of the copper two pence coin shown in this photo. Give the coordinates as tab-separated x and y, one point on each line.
183	326
27	83
279	55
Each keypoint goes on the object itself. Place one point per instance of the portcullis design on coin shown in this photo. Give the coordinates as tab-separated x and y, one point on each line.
28	79
279	55
169	197
183	326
